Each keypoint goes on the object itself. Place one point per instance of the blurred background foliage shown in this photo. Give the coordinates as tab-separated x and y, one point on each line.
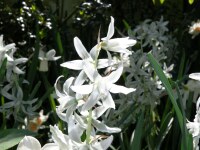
52	24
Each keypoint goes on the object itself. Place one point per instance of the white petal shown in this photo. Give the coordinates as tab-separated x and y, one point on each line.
103	128
29	143
80	120
120	89
115	75
75	64
17	70
103	63
50	54
80	78
58	137
92	100
58	93
82	89
90	71
41	54
108	102
82	52
67	85
50	146
94	52
74	131
20	60
98	111
104	144
111	29
195	76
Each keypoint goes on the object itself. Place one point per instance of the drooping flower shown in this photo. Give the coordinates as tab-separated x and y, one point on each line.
45	57
69	100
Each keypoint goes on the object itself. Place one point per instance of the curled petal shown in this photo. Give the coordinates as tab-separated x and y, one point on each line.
58	93
111	29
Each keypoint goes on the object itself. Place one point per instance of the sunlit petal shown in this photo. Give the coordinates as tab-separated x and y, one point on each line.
103	128
195	76
120	89
75	64
82	52
82	89
29	143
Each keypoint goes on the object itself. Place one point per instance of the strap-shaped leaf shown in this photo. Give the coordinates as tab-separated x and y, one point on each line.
167	86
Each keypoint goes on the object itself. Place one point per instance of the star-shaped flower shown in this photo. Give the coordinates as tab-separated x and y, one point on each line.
101	87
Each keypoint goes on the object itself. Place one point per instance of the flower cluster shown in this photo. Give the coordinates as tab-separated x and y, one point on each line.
85	98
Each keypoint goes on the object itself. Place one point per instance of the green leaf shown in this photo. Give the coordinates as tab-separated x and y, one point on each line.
11	137
136	143
164	129
191	2
168	88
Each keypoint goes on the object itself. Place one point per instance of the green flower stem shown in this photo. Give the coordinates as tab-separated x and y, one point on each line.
89	127
3	113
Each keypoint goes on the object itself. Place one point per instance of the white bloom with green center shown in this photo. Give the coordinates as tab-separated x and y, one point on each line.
45	57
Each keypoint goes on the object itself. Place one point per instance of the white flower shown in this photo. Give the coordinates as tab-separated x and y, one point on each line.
89	57
64	142
31	143
101	87
195	28
194	127
5	48
45	57
167	70
119	45
12	64
68	100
